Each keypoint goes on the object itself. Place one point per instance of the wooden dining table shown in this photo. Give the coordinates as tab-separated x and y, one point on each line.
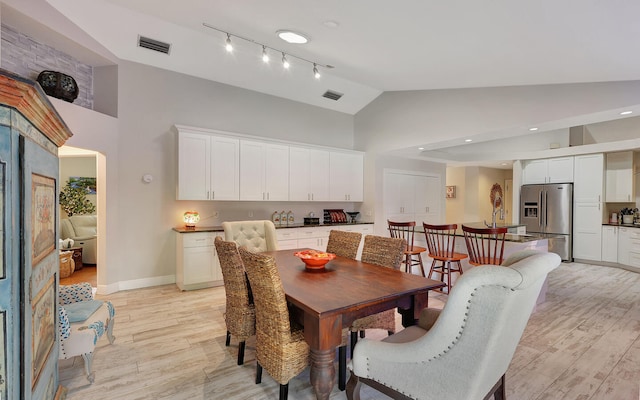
326	301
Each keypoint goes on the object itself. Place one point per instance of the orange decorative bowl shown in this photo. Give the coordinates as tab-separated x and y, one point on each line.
314	259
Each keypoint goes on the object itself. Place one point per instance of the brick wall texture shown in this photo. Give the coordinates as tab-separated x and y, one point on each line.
24	56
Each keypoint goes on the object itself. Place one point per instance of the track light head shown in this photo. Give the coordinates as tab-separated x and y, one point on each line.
285	63
228	45
265	56
316	73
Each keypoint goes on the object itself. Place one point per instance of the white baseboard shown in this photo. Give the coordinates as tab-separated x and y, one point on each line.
136	284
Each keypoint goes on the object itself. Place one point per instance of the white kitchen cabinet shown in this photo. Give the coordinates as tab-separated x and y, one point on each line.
308	174
610	243
197	264
317	237
620	183
587	231
629	246
346	176
552	170
588	178
208	167
264	171
412	197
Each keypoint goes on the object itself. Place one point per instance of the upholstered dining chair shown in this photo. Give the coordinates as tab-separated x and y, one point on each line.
344	244
484	245
82	320
256	236
463	351
412	254
240	313
441	241
280	346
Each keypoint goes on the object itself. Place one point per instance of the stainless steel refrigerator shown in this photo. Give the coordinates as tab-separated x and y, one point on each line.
547	209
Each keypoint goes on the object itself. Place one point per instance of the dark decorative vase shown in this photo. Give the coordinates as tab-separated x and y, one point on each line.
58	85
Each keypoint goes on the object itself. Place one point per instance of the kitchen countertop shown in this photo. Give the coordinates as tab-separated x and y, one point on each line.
182	229
625	225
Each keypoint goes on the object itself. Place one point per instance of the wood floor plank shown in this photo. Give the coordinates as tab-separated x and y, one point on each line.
170	345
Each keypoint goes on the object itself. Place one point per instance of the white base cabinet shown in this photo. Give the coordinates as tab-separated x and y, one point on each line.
197	264
316	237
610	243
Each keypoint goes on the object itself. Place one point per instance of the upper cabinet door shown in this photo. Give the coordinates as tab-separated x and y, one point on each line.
252	155
588	179
560	170
264	171
308	174
194	168
552	170
225	168
276	177
535	171
346	176
620	184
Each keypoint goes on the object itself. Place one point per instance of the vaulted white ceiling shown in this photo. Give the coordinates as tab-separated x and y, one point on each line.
377	45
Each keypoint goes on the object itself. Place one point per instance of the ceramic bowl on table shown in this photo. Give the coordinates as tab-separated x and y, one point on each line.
314	259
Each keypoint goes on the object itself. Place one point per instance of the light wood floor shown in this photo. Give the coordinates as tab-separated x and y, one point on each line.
582	343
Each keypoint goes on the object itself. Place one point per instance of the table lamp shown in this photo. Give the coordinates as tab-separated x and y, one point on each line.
190	219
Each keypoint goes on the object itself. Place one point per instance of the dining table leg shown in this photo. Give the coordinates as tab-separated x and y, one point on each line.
323	336
323	373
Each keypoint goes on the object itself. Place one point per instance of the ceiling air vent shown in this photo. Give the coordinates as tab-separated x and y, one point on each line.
330	94
154	45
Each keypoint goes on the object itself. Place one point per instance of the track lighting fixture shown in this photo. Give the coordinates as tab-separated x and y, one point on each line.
228	45
285	63
265	55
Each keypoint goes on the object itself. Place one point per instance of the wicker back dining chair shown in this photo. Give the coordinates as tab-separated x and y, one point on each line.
406	231
344	244
240	314
441	241
280	346
484	245
386	252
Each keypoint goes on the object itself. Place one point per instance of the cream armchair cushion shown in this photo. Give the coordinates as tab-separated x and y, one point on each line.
462	351
80	338
83	230
257	236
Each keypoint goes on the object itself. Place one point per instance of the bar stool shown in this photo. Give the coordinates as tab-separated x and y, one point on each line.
405	230
441	241
484	245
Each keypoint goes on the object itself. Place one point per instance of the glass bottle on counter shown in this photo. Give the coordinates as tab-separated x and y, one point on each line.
283	218
290	218
275	218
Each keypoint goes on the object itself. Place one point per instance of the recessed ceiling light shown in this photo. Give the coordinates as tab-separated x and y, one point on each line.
420	148
292	37
533	129
468	140
626	112
331	24
504	163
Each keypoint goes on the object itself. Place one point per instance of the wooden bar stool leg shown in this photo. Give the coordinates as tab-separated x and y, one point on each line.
421	265
448	277
431	270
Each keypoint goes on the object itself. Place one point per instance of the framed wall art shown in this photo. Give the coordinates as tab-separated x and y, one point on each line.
86	183
43	326
451	192
43	217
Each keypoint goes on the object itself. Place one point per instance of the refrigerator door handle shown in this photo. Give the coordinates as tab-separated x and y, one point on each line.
540	208
546	209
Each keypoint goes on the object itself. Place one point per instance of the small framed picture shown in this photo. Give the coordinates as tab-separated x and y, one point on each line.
451	192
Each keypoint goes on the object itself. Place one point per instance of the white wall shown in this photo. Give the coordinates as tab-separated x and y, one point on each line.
140	243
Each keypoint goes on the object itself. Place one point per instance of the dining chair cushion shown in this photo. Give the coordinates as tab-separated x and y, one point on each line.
80	311
470	345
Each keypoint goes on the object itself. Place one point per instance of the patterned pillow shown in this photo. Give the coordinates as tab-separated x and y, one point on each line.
73	293
63	323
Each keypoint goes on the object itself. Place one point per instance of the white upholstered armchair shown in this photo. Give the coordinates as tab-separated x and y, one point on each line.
257	236
463	351
83	229
82	321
